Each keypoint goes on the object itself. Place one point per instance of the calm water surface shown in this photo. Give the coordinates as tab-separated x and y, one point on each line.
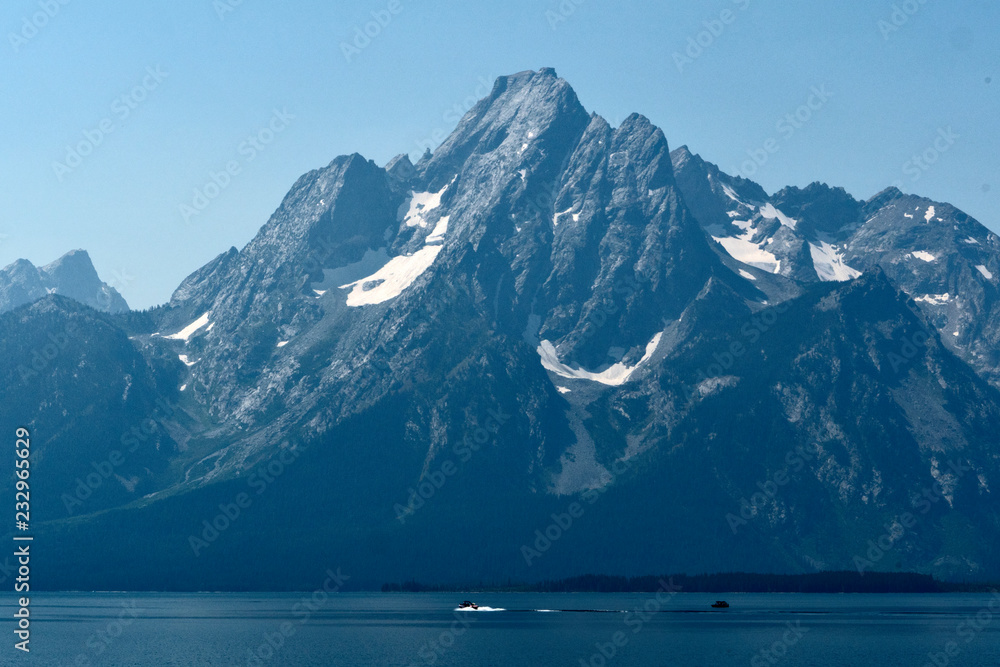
424	629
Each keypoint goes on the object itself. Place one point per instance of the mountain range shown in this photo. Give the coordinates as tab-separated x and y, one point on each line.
551	347
72	275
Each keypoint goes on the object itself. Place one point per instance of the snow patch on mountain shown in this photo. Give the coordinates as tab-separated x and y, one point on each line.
422	203
401	271
829	263
743	249
390	281
370	262
440	229
614	376
986	272
931	212
923	255
935	299
555	218
188	331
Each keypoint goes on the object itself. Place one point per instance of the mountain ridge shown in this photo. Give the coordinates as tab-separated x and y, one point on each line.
555	311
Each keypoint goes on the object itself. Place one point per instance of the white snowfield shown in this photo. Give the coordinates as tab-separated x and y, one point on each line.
422	203
748	275
986	272
934	299
930	214
440	229
188	331
614	376
403	270
185	360
393	278
829	264
923	255
557	216
743	249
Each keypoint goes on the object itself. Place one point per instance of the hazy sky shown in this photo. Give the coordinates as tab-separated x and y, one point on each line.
183	86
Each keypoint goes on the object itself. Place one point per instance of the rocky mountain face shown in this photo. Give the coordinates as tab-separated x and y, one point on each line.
550	347
945	260
73	374
72	275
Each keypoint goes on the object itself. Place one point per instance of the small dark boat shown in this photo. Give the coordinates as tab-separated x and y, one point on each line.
468	605
721	604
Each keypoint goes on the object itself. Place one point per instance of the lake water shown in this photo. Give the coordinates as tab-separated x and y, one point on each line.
423	629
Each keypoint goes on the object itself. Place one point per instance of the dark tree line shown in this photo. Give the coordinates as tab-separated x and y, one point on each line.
726	582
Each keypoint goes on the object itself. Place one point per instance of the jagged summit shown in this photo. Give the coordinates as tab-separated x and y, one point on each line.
683	152
883	198
73	275
401	168
821	210
535	110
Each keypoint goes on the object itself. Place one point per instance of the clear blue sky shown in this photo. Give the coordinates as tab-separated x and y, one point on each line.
892	92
